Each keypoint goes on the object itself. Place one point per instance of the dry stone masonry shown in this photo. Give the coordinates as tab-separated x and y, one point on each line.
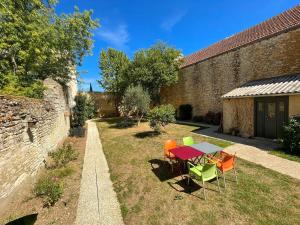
29	129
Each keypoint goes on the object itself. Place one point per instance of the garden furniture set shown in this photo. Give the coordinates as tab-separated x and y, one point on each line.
204	161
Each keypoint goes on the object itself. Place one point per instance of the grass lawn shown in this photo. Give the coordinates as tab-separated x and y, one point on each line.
149	192
282	154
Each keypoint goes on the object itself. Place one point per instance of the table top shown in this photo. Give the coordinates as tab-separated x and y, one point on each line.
186	152
207	148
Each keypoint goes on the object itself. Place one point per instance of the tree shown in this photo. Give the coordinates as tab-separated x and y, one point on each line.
161	116
91	88
155	67
114	65
36	43
135	103
83	110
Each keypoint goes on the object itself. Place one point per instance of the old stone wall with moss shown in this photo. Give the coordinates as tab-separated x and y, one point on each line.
203	84
29	129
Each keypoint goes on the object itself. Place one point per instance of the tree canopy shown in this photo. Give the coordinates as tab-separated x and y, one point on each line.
36	43
155	67
114	66
152	68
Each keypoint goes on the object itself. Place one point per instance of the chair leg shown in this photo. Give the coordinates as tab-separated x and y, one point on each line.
189	177
203	190
171	165
218	183
235	174
224	180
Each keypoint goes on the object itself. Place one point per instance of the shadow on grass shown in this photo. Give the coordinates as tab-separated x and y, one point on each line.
111	120
183	186
146	134
162	169
123	124
190	189
25	220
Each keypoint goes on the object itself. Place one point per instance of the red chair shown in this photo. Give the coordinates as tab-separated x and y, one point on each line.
170	144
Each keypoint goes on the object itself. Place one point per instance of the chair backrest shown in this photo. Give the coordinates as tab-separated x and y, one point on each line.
209	170
188	141
228	162
169	144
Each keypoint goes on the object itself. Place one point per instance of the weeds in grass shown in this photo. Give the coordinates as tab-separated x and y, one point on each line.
63	155
61	172
49	188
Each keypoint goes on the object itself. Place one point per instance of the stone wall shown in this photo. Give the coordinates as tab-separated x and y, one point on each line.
104	103
203	84
29	129
294	105
238	113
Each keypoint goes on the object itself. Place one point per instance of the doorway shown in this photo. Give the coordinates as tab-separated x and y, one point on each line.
271	114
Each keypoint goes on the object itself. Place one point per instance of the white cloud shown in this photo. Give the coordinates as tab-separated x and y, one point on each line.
172	20
118	36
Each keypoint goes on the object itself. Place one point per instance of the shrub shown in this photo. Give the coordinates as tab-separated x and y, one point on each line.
185	112
198	118
83	110
63	155
161	116
135	103
49	188
208	118
61	172
213	118
217	118
291	136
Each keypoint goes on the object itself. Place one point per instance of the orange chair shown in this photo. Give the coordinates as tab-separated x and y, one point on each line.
225	163
169	144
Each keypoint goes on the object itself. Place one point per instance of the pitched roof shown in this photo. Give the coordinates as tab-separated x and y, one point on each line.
275	25
283	85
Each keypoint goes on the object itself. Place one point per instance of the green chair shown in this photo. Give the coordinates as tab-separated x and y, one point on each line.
188	141
204	172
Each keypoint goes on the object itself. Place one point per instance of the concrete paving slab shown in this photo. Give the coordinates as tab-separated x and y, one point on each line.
98	202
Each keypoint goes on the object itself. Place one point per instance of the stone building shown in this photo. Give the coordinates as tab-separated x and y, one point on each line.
265	59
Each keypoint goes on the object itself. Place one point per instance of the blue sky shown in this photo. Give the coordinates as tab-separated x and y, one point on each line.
188	25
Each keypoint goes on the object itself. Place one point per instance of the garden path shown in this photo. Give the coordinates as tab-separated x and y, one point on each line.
258	156
98	202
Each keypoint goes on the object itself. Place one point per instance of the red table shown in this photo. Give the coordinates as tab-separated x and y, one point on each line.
186	152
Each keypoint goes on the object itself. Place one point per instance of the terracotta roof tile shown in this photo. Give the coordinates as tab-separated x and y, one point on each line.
277	24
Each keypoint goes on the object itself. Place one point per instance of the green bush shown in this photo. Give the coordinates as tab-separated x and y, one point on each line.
34	90
161	116
185	112
83	110
291	136
135	103
63	155
61	172
49	188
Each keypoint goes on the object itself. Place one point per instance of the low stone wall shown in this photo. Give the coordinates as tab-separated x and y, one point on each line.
29	129
238	113
104	103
